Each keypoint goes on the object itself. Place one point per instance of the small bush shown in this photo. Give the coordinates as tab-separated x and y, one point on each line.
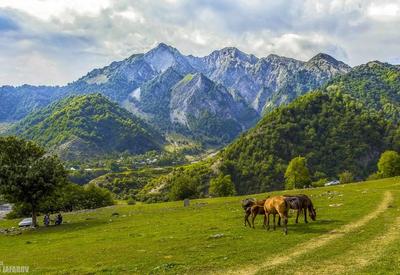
320	182
346	177
375	176
131	201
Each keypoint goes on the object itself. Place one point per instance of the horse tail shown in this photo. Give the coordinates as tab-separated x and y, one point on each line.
287	206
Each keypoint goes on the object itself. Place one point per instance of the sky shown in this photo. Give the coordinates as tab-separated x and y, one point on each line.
53	42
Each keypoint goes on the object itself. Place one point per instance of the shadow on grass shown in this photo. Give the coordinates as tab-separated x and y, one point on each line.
310	227
70	227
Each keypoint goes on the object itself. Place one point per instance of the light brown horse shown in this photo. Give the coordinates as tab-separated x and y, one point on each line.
277	205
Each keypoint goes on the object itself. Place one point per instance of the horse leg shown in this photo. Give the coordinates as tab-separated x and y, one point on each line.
267	221
305	215
246	219
285	221
274	221
279	221
254	215
265	217
297	217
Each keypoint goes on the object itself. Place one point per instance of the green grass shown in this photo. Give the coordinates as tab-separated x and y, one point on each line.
168	238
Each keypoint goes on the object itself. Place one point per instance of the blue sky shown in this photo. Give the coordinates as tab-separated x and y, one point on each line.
55	42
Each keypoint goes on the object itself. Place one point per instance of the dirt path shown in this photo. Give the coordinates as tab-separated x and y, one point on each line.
316	242
359	256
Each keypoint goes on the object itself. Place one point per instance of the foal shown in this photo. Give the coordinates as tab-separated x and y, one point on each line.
252	207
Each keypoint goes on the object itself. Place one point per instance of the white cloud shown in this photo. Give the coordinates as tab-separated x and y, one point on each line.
47	9
384	11
73	36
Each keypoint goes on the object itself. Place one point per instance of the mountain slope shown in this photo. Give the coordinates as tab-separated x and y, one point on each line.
375	84
334	133
208	109
87	126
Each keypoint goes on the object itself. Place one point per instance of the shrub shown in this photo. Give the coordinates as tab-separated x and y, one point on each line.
374	176
131	201
346	177
320	182
222	186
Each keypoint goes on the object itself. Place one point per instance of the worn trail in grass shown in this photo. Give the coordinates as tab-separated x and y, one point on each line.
317	242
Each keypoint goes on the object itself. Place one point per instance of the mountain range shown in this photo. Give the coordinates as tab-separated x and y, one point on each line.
211	99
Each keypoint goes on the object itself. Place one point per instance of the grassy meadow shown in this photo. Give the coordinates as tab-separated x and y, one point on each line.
357	232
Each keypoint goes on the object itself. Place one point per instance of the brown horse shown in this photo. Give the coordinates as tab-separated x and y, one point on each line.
277	205
253	208
301	203
247	204
256	209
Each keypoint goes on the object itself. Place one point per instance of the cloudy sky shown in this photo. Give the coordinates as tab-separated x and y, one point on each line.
57	41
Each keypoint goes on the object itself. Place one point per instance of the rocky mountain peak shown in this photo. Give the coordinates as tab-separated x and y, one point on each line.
323	60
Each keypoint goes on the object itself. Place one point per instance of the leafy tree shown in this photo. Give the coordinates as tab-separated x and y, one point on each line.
183	187
69	197
389	164
346	177
27	175
222	186
297	174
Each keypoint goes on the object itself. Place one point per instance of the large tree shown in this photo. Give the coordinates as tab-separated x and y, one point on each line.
297	174
27	174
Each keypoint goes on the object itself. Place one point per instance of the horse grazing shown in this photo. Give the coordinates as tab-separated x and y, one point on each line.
277	205
301	203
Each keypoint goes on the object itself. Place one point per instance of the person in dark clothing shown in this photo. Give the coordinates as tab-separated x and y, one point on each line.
46	220
59	219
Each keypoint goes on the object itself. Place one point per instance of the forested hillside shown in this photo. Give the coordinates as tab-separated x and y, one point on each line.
375	84
87	126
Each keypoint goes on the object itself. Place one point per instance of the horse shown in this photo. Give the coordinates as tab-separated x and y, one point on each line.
257	208
247	204
252	207
301	203
277	205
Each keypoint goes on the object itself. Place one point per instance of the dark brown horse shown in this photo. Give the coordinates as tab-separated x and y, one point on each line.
247	204
301	203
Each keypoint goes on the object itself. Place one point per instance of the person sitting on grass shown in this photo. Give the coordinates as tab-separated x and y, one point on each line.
58	220
46	220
